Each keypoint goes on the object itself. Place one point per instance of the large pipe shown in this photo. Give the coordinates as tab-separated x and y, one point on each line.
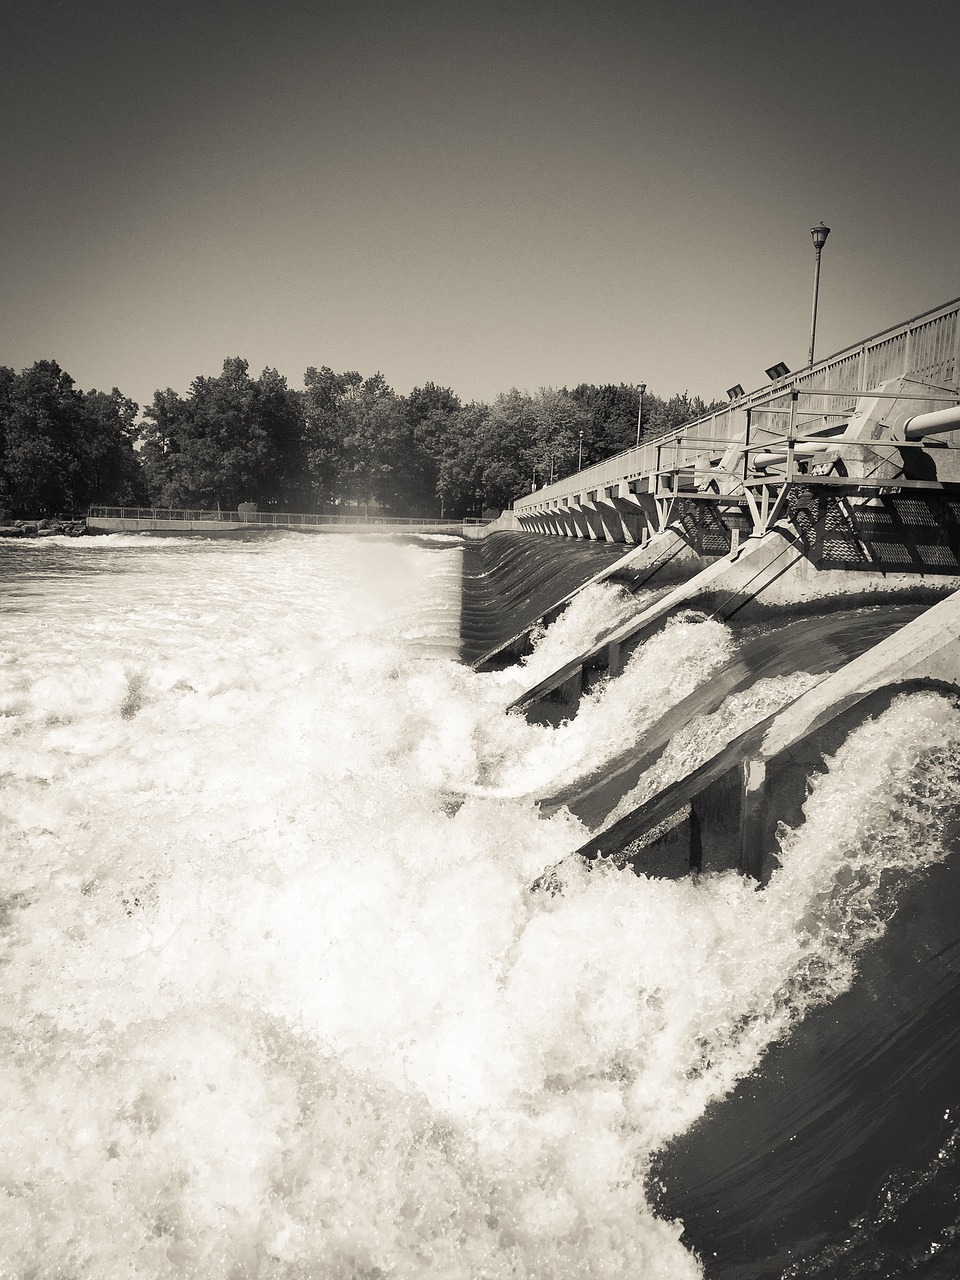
806	449
929	424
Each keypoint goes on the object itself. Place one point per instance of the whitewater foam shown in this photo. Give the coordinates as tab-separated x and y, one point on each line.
269	1008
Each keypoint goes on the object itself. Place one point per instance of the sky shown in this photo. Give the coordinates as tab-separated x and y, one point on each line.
479	195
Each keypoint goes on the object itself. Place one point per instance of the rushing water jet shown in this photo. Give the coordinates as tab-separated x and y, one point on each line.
271	1008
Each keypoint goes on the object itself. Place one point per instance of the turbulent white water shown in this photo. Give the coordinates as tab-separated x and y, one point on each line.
270	1008
518	759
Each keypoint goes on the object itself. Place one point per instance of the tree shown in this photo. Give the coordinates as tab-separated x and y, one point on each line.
62	449
41	436
7	382
112	473
233	439
373	427
344	438
660	417
432	414
612	413
460	479
559	424
505	454
324	431
279	415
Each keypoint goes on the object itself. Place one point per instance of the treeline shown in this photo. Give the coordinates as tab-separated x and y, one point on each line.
61	448
344	440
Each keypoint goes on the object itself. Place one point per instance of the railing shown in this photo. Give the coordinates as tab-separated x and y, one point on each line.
269	519
928	346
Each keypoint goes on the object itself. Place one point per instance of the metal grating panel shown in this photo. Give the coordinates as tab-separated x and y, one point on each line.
840	545
704	528
891	533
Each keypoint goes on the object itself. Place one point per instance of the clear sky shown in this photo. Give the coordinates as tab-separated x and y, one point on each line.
480	195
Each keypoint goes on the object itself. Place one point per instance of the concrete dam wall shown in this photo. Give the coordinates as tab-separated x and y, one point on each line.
827	578
515	582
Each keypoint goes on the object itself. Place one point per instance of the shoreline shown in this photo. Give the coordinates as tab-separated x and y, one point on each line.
45	528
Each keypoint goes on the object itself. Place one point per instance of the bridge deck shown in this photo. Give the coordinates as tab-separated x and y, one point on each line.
926	347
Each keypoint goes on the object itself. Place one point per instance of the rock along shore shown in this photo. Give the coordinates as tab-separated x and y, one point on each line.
43	528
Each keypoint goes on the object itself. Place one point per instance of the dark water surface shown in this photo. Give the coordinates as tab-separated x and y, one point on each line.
840	1157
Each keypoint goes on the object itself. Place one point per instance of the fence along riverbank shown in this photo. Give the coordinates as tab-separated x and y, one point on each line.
181	520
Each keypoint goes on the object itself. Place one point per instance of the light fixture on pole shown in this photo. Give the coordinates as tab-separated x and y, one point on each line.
819	233
642	388
580	454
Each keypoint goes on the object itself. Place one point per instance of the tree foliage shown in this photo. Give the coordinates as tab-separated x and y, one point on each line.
232	439
62	450
344	441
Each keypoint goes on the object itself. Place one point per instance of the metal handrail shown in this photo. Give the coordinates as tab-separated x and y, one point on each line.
928	343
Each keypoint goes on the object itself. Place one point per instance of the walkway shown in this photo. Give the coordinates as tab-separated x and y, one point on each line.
736	471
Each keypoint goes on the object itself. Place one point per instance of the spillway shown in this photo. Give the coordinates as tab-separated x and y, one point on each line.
833	1149
512	582
811	645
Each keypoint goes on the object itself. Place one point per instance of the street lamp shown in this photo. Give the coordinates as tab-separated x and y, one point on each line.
642	388
580	454
819	233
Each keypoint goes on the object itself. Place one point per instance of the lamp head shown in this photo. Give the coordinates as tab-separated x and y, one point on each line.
642	387
819	233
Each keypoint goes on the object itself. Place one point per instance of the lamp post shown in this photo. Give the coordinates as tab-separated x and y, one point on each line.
643	387
580	454
819	233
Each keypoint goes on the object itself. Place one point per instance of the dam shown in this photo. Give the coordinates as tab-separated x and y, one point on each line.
819	520
843	496
566	898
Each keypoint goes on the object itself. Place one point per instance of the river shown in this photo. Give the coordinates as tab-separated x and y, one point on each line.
273	1005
